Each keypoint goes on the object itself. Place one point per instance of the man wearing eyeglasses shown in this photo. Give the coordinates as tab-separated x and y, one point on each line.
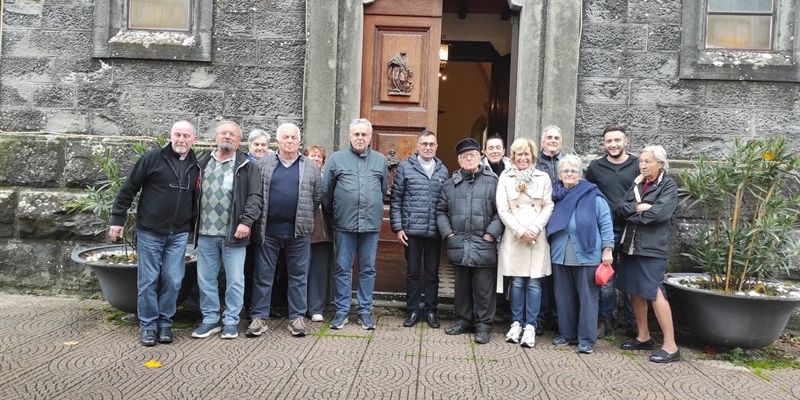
415	194
354	184
467	220
167	179
230	202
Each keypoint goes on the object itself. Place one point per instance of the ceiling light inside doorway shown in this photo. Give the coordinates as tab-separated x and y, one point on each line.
444	51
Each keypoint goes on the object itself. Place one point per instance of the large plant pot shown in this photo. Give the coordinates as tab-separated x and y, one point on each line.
118	282
730	320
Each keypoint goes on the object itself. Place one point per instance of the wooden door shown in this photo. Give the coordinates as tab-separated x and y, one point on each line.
399	95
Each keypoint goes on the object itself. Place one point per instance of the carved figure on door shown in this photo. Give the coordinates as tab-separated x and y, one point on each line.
399	73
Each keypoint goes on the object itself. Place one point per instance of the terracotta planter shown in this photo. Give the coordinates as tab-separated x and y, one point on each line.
118	282
730	320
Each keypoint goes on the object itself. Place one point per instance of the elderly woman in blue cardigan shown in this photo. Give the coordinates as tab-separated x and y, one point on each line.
581	235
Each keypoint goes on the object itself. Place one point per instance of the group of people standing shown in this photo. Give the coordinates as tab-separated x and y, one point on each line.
533	227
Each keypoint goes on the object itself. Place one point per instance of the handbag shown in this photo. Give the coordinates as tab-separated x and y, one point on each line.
603	274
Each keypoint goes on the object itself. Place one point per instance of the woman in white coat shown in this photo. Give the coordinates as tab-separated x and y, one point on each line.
524	203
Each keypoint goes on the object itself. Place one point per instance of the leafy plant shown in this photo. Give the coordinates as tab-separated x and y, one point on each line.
750	212
99	198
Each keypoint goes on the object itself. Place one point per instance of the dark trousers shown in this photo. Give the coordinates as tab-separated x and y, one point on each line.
319	276
422	252
548	314
474	295
577	300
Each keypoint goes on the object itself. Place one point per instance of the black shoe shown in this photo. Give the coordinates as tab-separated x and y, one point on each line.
482	337
148	337
635	344
458	328
165	335
662	357
433	320
413	318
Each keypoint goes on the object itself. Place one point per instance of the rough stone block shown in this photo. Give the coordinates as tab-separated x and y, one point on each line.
670	141
751	95
215	77
605	10
706	120
15	43
15	95
298	6
67	121
594	117
45	215
67	17
22	120
26	69
771	123
81	70
655	11
28	19
198	101
666	92
8	208
62	43
701	145
161	123
600	90
282	52
234	24
279	25
235	52
33	162
155	73
649	65
664	37
54	96
614	36
278	79
120	122
265	104
99	96
598	63
43	266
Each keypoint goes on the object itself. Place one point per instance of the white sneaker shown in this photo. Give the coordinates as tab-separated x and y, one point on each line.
513	334
317	318
529	337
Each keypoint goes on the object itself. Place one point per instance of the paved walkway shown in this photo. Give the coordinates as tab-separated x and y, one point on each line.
65	348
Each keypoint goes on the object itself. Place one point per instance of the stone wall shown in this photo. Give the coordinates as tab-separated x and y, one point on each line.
628	74
58	105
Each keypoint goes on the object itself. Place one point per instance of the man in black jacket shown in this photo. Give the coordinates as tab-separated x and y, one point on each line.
467	219
167	179
230	202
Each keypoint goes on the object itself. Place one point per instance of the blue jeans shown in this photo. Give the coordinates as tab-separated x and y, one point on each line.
347	245
160	258
298	250
210	250
525	294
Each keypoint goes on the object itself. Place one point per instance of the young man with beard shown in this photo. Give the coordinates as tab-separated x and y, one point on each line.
614	175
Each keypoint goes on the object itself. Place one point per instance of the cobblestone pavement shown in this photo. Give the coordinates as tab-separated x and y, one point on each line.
66	348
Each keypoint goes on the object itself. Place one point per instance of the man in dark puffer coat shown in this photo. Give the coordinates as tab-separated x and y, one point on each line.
415	194
468	221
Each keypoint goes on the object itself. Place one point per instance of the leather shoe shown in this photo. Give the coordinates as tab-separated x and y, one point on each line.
433	320
482	337
413	318
635	344
165	335
148	337
457	328
662	357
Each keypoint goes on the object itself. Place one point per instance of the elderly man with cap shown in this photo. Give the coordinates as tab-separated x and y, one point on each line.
467	219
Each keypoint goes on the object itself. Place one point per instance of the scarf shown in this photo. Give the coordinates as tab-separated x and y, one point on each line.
580	200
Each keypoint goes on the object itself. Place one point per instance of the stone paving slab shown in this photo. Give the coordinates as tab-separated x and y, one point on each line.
66	348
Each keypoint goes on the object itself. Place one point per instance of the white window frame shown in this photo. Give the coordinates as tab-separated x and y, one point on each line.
781	64
112	39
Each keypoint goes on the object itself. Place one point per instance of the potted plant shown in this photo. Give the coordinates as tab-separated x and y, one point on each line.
115	266
747	240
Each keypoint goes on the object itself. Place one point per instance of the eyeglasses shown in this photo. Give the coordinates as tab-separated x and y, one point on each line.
570	171
469	156
427	144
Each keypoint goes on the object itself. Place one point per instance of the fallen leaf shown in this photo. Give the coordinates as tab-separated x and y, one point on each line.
70	343
153	364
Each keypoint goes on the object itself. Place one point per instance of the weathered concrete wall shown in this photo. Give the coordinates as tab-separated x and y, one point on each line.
628	74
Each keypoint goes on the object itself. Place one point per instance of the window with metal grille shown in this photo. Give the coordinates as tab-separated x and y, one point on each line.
160	15
740	24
